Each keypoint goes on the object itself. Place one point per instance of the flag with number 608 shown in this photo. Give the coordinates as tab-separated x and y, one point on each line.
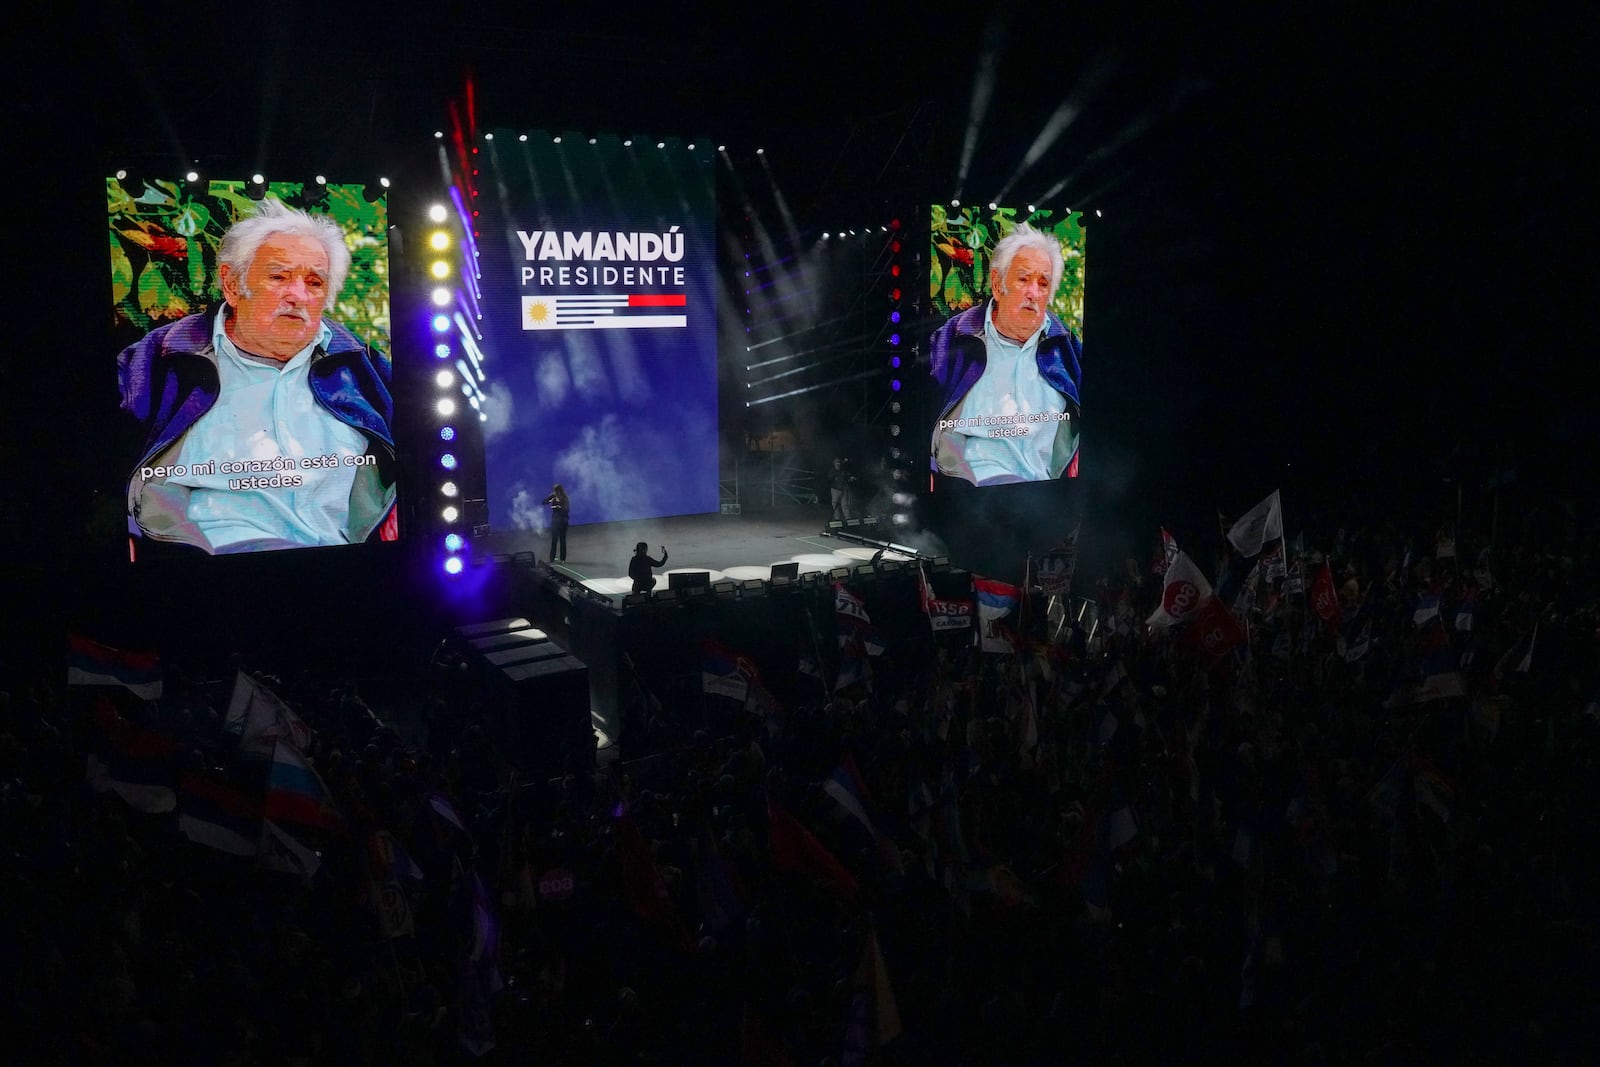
1182	594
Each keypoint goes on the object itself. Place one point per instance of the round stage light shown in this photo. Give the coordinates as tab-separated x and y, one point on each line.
450	514
628	143
894	317
1031	209
449	489
722	148
901	518
488	137
444	378
1097	213
322	179
441	351
894	453
440	296
894	294
557	140
992	205
895	362
439	241
436	213
761	151
383	182
441	323
121	174
447	433
895	385
446	406
483	416
448	461
452	542
894	429
258	179
894	271
453	565
438	135
954	202
440	269
894	407
894	338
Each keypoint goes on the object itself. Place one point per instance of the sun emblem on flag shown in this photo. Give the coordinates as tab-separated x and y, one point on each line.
538	311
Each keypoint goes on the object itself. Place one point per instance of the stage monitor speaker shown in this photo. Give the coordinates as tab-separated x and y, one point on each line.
685	579
790	571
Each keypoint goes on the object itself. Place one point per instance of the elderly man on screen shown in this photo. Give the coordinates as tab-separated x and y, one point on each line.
1007	374
264	425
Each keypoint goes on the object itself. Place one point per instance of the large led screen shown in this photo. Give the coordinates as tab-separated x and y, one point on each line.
252	332
1005	365
599	328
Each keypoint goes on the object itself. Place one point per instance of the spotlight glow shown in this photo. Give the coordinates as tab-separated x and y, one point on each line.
441	351
894	338
954	202
384	182
761	151
448	461
894	317
895	362
445	406
450	514
441	297
447	433
628	143
259	179
522	137
661	144
452	542
322	179
449	489
439	241
557	140
441	324
436	213
440	269
192	176
444	378
453	565
593	140
895	385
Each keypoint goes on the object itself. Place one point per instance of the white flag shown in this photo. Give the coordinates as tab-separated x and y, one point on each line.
1260	524
1185	590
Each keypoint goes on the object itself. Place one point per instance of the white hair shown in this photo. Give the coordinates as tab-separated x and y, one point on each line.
244	239
1025	236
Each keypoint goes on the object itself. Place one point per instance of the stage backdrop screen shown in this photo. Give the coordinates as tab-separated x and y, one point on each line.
599	323
251	329
1005	363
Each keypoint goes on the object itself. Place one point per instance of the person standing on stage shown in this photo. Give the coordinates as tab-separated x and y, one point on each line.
639	567
839	488
560	509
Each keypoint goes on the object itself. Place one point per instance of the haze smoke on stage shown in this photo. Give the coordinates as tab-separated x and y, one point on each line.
526	511
501	410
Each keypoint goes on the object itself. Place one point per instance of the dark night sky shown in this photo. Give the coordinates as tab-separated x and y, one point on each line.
1347	241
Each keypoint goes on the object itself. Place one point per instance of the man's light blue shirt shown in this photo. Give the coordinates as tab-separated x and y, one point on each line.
266	414
1010	389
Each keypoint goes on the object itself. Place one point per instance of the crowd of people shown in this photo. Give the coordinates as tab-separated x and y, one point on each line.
1109	845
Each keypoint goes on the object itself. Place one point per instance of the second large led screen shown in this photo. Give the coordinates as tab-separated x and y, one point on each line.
597	281
1006	363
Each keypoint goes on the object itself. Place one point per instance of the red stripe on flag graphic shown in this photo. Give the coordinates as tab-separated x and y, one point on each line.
657	300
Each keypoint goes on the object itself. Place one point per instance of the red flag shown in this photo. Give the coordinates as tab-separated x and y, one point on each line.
1325	599
1215	631
797	850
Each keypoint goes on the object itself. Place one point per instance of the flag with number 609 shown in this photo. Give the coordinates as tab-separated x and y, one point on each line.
1182	594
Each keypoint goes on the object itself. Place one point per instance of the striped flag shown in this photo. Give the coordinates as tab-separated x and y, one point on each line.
616	311
295	792
722	671
91	663
218	815
996	601
137	765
